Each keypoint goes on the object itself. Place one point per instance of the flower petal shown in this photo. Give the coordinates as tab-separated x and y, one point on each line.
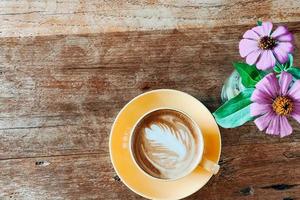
246	46
267	27
286	38
259	30
261	97
294	91
269	85
263	121
253	56
259	109
284	82
296	112
250	34
281	55
266	60
285	127
280	30
274	126
286	47
296	116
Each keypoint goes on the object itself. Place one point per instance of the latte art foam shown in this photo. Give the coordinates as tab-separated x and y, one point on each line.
165	144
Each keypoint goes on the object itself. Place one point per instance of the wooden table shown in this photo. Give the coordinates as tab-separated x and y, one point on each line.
68	67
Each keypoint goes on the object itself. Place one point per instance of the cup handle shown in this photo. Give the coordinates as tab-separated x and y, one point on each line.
209	166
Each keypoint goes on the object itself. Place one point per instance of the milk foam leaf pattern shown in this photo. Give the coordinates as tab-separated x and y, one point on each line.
249	74
163	138
236	111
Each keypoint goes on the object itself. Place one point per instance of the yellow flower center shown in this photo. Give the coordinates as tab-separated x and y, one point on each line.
282	105
267	42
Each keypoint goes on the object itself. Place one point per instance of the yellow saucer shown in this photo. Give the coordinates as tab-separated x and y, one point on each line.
131	175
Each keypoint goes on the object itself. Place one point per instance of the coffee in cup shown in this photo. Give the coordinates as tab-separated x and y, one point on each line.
166	144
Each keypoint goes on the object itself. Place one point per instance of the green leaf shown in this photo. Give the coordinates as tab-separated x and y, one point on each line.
236	111
291	60
259	23
250	75
295	71
277	69
289	63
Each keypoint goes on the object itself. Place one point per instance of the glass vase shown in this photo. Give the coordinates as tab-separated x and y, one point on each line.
232	87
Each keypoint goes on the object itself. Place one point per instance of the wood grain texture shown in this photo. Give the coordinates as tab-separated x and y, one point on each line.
31	18
90	176
60	95
60	92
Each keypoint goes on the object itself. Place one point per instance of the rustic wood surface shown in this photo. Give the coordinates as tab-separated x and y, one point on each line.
49	17
68	67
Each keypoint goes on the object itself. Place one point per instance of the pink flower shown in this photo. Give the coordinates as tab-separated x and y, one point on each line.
273	101
262	47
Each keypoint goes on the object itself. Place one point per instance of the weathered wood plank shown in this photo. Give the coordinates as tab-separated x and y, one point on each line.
60	94
31	18
255	171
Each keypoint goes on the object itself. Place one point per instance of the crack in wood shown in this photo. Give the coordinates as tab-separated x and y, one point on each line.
21	13
291	154
280	186
36	127
247	191
288	198
42	163
145	87
117	178
224	161
52	156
